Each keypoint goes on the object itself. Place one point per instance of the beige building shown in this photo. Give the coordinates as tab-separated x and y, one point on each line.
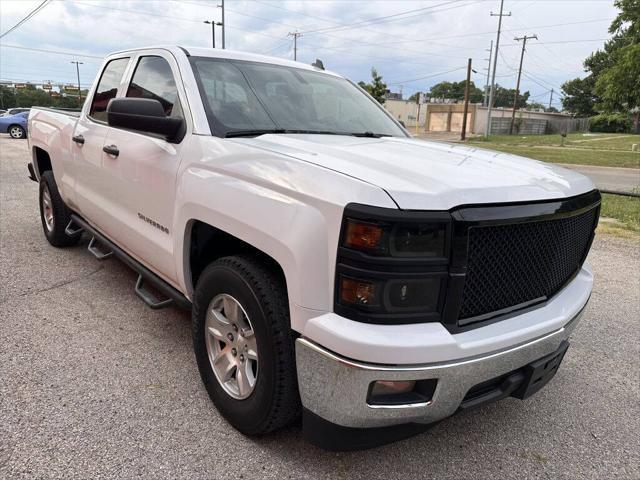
447	117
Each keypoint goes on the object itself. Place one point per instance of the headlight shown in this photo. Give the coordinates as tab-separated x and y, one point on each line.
392	265
399	240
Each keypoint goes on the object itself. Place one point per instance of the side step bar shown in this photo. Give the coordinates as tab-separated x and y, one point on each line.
174	297
96	252
72	229
148	297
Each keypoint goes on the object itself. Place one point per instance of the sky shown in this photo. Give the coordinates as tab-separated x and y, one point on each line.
413	44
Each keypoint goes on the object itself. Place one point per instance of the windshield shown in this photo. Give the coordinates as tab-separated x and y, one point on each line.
253	98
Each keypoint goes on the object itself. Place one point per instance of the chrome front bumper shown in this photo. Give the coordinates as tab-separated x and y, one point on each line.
335	388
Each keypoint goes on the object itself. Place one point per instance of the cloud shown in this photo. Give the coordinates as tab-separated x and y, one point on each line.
437	36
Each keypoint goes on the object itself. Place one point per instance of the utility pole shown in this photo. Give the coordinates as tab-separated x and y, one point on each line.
295	36
223	24
495	62
466	102
488	69
515	97
551	98
78	73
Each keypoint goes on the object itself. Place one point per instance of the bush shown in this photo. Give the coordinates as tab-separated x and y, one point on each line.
610	123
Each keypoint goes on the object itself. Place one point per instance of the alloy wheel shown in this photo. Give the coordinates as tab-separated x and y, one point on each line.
231	346
47	209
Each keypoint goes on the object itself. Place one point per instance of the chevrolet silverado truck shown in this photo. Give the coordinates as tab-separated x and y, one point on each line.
336	269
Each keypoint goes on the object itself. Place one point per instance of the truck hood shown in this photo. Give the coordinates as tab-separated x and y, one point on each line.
425	175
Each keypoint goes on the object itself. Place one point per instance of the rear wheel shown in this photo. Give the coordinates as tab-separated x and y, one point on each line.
16	131
55	215
244	346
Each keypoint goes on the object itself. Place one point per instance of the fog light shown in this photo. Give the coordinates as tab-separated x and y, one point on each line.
395	393
385	387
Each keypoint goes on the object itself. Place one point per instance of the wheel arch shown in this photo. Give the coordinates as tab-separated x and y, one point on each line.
41	160
205	243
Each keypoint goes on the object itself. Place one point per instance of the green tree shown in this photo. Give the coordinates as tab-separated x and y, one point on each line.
7	97
612	81
377	88
536	106
619	86
579	97
503	97
455	91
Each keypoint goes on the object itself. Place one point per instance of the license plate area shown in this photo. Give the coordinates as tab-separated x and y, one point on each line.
540	372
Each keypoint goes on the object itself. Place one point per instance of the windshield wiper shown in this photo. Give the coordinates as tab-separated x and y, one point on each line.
369	134
253	133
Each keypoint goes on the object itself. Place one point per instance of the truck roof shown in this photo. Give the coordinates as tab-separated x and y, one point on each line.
230	54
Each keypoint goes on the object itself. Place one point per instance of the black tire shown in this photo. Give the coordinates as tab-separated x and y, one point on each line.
17	132
274	401
61	214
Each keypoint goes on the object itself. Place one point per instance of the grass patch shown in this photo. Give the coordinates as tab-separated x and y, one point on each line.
626	210
608	150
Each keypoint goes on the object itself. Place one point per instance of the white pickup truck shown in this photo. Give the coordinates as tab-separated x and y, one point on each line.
335	267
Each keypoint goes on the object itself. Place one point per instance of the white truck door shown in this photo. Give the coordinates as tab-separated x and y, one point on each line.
91	192
142	177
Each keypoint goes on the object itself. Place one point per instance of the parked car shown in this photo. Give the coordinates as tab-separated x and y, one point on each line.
334	267
15	124
14	111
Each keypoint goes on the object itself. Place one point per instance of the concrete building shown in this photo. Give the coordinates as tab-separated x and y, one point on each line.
406	111
447	117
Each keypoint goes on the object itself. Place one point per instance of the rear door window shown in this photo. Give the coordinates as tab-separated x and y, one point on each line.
107	88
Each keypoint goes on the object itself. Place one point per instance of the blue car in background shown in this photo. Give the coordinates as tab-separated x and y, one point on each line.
15	125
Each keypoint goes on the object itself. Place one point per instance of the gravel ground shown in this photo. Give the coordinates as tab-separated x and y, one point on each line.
93	384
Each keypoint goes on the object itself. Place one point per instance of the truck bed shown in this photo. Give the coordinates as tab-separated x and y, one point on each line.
71	112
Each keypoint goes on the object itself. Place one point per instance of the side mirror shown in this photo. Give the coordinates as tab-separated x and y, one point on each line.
143	115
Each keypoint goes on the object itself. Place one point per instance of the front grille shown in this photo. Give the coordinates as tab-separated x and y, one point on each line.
517	264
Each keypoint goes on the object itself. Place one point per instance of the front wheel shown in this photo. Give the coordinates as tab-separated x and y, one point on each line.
243	344
16	131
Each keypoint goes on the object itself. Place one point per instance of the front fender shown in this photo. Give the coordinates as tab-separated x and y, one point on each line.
287	208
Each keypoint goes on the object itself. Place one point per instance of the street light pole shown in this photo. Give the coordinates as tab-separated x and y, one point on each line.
78	73
213	31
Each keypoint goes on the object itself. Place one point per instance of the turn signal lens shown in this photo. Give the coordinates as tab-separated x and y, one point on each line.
364	236
358	292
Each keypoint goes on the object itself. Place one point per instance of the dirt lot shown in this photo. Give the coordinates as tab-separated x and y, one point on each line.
93	384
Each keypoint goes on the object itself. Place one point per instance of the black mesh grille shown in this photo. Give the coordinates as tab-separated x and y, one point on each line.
510	265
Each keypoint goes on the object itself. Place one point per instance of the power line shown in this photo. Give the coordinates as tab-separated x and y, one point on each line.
376	19
563	42
30	15
358	43
427	76
56	52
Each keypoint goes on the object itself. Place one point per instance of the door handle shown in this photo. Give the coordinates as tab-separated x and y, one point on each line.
111	150
79	139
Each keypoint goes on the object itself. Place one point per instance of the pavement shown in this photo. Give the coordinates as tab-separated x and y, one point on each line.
605	178
611	178
93	384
